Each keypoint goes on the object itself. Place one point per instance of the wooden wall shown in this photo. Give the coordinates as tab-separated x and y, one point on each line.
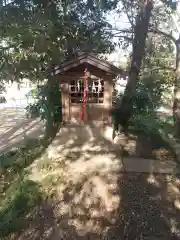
97	112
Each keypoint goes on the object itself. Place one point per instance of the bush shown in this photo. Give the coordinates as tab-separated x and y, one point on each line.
153	127
145	124
45	100
144	103
33	110
21	198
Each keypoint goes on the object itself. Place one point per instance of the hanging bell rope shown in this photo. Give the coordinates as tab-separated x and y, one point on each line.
84	95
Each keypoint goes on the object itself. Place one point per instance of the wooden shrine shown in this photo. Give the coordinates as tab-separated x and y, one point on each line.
87	86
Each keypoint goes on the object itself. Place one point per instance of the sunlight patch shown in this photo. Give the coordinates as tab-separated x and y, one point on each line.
152	180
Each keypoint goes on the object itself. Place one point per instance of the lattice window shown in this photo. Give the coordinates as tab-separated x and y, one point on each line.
95	90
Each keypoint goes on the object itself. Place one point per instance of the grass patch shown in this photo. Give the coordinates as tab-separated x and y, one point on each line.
13	164
20	158
21	199
18	196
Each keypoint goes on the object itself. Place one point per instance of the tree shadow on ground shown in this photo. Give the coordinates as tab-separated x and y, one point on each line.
94	199
102	201
148	208
149	146
18	195
16	131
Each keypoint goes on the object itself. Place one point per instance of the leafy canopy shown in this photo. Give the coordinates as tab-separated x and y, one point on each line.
36	34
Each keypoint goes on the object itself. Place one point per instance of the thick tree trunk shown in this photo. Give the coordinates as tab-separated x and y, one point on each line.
49	113
139	42
176	104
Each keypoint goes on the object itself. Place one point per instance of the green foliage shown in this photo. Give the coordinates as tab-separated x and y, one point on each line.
146	100
35	35
149	92
21	157
154	128
18	196
153	135
146	124
47	106
155	79
21	198
33	110
142	101
41	105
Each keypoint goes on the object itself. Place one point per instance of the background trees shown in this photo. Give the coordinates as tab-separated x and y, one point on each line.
147	19
36	35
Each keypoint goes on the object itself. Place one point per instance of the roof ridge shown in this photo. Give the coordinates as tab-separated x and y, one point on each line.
87	57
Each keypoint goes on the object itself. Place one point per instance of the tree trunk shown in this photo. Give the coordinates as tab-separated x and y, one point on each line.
49	113
139	42
176	104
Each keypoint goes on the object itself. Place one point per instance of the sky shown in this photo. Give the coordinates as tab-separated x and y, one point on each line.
117	21
121	22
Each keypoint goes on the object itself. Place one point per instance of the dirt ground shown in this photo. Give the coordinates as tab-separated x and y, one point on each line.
15	128
124	206
89	194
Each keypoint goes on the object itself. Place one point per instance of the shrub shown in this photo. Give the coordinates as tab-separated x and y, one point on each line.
43	104
21	198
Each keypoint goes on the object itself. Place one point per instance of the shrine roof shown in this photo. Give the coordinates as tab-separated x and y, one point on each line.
88	60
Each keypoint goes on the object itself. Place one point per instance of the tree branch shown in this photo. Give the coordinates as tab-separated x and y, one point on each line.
167	35
125	37
120	30
151	30
160	68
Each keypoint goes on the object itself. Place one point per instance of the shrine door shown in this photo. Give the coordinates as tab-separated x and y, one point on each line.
94	99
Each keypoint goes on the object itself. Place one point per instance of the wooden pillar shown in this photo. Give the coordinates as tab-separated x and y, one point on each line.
65	101
108	91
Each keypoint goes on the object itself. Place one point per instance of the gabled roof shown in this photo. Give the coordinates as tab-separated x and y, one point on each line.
88	59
